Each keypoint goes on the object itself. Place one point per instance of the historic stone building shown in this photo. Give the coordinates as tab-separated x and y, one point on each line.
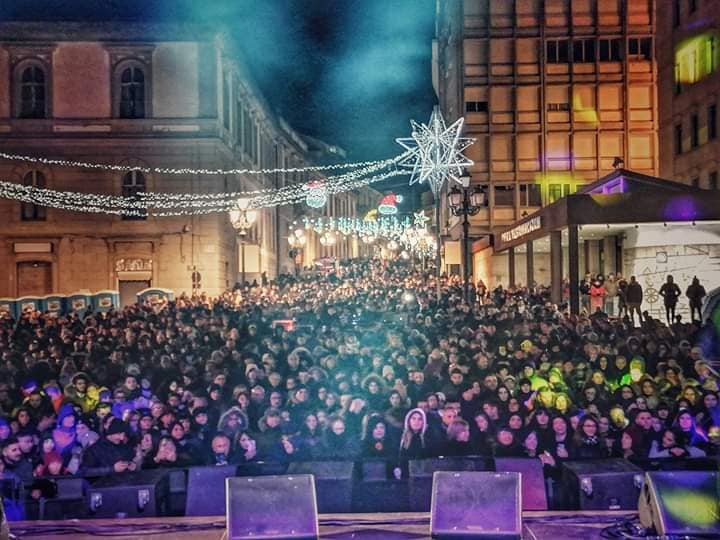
156	95
688	50
557	93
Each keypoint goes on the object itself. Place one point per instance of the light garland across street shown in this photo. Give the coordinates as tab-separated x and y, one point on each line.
185	170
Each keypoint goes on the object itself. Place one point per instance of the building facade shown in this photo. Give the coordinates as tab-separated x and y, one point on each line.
688	51
158	96
557	93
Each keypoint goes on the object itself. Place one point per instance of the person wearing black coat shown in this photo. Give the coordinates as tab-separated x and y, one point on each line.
589	444
110	454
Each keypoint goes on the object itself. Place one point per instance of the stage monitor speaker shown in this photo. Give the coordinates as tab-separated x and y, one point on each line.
206	490
266	507
681	504
333	481
534	496
481	505
421	475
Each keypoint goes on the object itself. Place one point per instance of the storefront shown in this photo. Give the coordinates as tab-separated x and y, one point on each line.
625	222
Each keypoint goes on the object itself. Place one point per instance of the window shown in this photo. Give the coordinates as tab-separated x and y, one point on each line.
712	122
678	139
530	195
132	93
640	48
29	211
558	106
32	92
583	50
692	6
504	195
226	100
476	106
610	50
557	51
676	13
132	184
694	131
713	180
555	192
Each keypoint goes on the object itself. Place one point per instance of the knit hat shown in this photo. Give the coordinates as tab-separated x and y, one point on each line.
116	426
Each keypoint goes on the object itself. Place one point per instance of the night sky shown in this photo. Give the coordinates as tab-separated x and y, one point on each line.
351	72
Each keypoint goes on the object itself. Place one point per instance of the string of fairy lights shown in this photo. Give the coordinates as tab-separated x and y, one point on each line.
184	204
433	153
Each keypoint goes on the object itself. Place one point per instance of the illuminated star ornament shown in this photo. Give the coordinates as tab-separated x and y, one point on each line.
436	152
420	219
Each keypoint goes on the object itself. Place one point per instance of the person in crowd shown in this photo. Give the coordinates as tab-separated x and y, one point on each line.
671	445
113	453
362	373
670	293
695	294
633	300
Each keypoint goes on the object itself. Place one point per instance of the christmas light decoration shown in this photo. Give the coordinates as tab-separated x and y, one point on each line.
185	170
388	204
316	196
420	219
436	152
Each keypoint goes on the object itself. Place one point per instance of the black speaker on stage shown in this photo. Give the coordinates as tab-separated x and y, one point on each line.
601	484
206	490
481	505
135	494
267	507
333	480
681	503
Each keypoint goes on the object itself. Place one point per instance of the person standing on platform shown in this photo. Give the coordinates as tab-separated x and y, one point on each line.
670	293
633	299
695	293
611	295
597	295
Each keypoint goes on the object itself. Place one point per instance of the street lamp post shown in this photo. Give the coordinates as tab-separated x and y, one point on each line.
466	203
242	219
297	240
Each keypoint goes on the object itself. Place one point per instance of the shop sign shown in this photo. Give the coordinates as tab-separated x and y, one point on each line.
521	230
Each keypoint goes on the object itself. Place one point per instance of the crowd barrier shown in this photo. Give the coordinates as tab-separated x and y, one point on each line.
342	487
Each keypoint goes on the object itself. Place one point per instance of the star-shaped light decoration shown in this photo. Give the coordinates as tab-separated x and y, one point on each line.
435	151
420	219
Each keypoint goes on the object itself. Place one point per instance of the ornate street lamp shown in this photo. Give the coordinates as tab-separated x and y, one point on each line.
242	219
297	240
465	203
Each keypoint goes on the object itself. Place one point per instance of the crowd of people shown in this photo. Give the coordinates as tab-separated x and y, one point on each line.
365	362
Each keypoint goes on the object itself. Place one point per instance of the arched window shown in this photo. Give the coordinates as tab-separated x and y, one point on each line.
32	92
29	211
132	92
132	184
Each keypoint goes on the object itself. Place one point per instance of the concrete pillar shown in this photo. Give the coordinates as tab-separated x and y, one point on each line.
511	267
529	263
574	268
609	262
556	267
